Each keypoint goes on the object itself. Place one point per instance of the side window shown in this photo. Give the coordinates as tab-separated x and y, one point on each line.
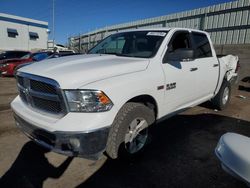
180	41
12	33
33	35
115	46
40	56
20	54
202	46
179	48
13	55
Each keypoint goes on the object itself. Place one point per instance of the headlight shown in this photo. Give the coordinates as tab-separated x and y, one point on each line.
87	101
5	65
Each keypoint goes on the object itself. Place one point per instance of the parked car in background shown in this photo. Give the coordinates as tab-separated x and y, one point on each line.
7	67
62	54
66	52
233	152
52	55
13	54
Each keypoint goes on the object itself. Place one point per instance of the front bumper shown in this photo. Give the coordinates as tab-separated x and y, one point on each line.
88	145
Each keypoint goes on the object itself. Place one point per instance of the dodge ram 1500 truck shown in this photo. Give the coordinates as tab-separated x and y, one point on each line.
105	101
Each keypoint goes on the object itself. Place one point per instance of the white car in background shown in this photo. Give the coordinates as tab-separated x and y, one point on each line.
233	152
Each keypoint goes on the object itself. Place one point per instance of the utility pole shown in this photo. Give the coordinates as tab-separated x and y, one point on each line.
79	43
53	21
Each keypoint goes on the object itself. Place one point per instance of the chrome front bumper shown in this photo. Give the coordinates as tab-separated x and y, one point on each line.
90	145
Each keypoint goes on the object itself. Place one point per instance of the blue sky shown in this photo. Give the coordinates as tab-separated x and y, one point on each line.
79	16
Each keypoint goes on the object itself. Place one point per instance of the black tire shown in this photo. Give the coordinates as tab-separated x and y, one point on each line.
219	101
127	114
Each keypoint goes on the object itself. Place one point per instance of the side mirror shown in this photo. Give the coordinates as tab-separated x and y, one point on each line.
179	55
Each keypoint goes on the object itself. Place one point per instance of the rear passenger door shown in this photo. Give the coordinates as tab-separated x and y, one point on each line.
207	64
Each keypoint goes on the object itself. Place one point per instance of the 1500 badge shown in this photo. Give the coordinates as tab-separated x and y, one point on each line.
171	86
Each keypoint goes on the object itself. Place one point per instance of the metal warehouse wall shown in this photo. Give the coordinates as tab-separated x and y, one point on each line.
227	23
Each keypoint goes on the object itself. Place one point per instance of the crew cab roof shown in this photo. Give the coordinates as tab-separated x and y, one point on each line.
163	29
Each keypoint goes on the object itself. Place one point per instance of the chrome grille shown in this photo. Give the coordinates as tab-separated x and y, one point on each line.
43	104
41	93
23	97
20	80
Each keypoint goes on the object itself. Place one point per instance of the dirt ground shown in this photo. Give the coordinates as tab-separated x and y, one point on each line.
180	153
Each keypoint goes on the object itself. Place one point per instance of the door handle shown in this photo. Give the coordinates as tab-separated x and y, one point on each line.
194	69
188	59
215	65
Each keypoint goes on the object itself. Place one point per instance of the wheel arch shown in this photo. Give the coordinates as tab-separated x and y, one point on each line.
148	101
220	83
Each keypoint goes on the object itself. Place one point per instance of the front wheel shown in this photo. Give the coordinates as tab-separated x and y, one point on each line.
222	99
136	135
129	132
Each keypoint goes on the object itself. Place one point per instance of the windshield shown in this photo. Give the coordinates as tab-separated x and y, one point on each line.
2	54
26	56
142	44
39	56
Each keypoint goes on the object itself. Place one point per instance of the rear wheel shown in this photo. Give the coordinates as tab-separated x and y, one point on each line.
129	133
222	99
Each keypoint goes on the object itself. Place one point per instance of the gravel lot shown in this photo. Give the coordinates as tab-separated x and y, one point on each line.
181	152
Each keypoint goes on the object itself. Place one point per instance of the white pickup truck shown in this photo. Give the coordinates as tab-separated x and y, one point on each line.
104	101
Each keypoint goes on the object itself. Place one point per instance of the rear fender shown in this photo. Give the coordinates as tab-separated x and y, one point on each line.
228	65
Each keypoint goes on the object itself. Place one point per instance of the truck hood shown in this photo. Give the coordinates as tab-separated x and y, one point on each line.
72	72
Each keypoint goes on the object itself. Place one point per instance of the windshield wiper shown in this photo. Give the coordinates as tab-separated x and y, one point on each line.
117	54
111	53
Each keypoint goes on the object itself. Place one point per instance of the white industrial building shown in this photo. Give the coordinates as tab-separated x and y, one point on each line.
18	33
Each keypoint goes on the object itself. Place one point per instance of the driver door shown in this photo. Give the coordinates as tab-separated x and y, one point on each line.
180	73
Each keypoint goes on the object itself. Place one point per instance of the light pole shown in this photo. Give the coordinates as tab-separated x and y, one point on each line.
53	22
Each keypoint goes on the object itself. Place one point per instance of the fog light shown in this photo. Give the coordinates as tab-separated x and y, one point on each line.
74	142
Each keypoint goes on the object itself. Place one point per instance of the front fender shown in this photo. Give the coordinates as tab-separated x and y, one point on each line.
121	89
